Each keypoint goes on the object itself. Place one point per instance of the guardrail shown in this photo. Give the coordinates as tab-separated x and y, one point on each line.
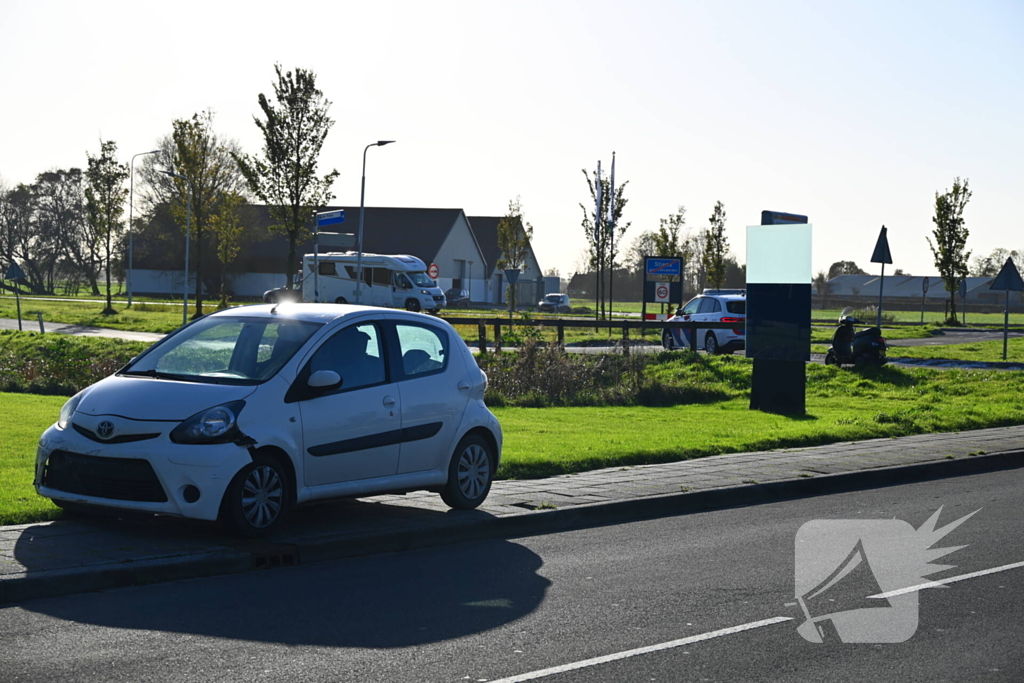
560	324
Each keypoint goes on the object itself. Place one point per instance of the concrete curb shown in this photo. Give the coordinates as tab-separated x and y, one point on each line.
477	526
617	512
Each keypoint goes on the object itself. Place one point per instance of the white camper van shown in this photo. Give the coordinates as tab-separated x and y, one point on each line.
396	280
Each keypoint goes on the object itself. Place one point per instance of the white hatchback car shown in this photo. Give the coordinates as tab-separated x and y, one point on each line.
711	306
248	411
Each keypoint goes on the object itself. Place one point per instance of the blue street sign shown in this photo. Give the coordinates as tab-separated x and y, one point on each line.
663	266
330	218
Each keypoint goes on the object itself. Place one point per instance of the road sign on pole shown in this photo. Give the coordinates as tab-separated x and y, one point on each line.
663	266
330	218
661	293
433	272
1008	279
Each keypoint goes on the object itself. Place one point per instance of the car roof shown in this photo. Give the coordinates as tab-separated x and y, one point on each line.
320	313
726	297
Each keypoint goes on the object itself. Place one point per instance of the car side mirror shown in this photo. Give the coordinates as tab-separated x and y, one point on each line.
324	379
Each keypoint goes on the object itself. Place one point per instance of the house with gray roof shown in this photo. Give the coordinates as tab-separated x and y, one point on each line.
465	251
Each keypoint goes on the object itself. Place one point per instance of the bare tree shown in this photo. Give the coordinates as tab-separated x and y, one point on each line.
514	235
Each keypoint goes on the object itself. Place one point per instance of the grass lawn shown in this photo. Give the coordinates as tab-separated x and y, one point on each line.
989	351
842	405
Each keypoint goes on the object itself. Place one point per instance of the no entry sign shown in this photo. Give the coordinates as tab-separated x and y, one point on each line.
433	271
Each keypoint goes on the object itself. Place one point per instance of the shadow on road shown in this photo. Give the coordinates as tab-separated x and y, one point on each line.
379	601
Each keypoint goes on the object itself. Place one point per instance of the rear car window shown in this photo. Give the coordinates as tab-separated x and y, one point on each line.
737	307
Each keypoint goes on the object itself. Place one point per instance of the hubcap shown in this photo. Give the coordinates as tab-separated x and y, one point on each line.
262	495
474	471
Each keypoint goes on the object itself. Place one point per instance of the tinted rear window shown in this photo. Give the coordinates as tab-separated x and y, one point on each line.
737	307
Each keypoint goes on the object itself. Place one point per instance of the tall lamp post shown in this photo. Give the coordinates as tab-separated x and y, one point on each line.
131	213
359	246
188	238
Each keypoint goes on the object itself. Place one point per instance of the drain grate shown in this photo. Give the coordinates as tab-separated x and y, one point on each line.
270	555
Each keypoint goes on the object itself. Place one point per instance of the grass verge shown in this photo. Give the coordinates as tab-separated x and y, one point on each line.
843	405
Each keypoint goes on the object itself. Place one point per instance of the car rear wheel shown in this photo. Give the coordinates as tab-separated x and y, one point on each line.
667	341
470	473
711	344
340	300
257	499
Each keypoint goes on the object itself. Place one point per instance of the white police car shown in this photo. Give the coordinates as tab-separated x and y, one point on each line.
722	306
248	411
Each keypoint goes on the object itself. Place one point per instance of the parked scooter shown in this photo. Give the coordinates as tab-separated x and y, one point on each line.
866	347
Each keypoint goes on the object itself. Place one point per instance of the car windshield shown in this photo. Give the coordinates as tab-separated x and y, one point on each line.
225	350
421	280
737	307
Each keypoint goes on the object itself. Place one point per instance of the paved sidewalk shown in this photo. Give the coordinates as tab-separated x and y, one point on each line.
79	330
73	556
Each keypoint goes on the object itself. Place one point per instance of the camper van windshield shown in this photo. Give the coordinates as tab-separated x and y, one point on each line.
421	280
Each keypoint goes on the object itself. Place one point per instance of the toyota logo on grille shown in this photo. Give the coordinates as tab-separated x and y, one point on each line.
105	429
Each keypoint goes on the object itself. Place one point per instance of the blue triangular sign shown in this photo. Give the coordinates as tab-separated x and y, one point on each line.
882	254
14	272
1008	278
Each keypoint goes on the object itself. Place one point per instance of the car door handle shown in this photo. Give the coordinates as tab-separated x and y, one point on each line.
463	386
389	401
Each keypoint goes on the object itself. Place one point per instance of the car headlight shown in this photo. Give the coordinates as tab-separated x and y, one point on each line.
213	425
69	409
424	291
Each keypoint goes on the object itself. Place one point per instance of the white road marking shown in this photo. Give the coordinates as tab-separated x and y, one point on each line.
938	583
542	673
642	650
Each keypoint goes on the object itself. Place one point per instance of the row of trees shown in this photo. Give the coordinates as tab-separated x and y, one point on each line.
68	226
705	252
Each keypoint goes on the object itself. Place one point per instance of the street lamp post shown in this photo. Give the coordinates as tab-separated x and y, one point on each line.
188	238
359	246
131	213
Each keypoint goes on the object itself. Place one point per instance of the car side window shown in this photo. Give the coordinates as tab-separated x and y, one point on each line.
691	307
423	349
710	305
356	354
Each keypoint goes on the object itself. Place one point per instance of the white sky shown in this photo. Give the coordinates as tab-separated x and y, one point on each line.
852	113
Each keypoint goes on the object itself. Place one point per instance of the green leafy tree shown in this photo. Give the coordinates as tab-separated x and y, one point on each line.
285	177
194	150
227	226
667	240
950	233
105	196
514	235
716	247
603	242
844	268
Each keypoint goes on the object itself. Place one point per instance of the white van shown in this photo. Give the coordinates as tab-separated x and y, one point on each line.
396	280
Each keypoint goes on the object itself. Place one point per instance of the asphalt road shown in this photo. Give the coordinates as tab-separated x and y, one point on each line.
500	610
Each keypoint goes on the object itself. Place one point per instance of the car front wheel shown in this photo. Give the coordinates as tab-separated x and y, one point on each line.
470	473
667	341
412	305
711	344
257	498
